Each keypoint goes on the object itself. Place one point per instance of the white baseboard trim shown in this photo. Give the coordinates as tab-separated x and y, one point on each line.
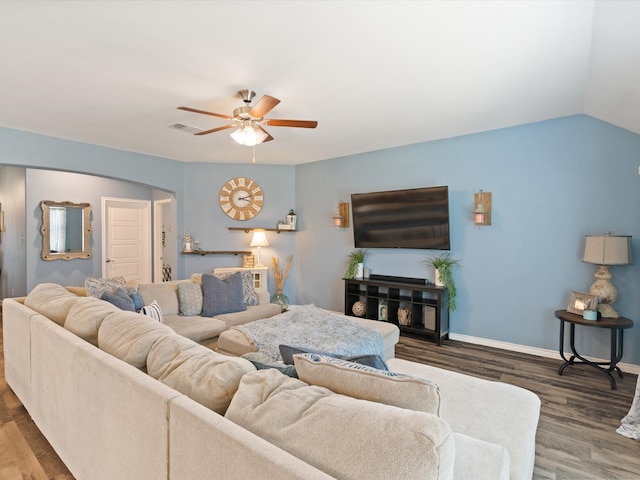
540	352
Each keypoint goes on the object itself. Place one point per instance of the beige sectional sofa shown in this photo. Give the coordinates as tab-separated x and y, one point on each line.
147	403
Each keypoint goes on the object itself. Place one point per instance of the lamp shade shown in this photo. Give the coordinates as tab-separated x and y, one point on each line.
259	240
607	250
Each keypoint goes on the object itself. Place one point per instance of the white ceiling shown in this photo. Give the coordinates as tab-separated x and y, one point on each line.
374	74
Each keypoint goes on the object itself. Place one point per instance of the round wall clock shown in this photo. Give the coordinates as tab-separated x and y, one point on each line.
241	198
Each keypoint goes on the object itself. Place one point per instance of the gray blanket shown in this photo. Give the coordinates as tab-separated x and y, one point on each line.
307	326
630	426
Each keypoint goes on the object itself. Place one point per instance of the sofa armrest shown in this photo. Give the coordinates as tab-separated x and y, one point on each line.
263	296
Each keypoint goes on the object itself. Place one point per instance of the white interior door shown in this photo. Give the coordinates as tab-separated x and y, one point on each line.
126	249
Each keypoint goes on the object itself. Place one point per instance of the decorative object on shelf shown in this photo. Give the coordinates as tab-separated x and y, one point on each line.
383	310
482	212
404	316
443	268
604	251
280	276
355	264
341	218
590	314
292	219
359	309
579	302
259	240
248	261
241	198
196	245
187	243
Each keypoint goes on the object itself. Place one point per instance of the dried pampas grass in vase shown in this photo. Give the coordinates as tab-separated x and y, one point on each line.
280	276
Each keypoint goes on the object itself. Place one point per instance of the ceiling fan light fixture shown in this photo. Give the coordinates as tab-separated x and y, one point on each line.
249	136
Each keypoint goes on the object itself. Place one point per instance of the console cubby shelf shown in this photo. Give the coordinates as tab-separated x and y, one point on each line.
427	304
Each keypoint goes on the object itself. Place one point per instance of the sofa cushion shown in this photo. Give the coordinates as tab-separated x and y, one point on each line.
51	300
369	359
207	377
222	295
195	328
190	298
479	459
166	294
368	383
96	287
345	437
86	316
120	299
129	336
153	311
256	312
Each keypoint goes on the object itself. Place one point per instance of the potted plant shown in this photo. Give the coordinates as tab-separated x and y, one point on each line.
355	265
443	266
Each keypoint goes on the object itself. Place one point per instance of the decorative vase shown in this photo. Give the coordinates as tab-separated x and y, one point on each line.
281	299
438	280
360	271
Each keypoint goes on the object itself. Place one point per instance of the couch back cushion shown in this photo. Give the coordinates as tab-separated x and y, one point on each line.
343	436
86	316
129	336
166	294
205	376
361	381
51	300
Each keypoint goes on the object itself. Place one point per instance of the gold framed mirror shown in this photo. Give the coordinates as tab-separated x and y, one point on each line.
66	230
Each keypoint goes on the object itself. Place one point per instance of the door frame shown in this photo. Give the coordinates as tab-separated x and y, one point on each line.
146	230
158	223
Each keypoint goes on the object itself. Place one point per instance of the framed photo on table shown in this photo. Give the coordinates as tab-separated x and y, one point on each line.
579	302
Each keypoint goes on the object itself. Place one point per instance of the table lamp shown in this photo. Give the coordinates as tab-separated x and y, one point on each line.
604	251
259	240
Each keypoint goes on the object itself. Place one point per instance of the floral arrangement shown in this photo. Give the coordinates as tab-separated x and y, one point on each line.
281	275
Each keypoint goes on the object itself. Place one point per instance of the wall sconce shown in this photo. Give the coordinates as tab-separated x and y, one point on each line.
482	212
341	218
259	240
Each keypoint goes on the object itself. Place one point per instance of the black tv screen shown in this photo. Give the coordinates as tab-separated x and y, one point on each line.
412	218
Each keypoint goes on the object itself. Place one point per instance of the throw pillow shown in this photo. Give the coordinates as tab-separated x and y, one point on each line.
371	360
222	296
96	287
248	292
138	301
366	383
190	299
120	299
153	310
264	362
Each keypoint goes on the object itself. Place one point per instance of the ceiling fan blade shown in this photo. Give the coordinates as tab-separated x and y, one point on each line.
195	110
264	106
269	137
274	122
224	127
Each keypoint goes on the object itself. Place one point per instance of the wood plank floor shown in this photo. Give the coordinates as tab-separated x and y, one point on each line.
576	435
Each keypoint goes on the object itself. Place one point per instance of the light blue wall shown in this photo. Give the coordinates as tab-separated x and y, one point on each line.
208	223
71	187
552	183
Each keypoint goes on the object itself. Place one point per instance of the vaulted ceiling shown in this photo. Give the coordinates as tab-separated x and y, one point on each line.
374	74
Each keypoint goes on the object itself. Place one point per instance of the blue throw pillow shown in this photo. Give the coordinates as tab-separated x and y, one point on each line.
120	299
138	301
222	295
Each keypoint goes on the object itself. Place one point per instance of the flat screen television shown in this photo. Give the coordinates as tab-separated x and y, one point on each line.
413	218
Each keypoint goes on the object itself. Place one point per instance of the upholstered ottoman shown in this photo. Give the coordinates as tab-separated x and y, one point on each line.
235	342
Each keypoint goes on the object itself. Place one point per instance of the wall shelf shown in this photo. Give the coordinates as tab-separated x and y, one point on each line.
217	252
247	230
